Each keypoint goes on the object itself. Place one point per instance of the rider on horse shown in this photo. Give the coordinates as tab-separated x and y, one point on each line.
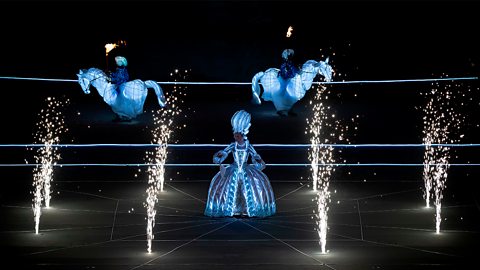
120	75
288	69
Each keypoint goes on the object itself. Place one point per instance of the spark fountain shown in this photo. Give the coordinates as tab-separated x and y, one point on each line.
325	129
49	129
164	125
440	122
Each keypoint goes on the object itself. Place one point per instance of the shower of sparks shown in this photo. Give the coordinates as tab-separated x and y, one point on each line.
440	122
49	129
324	128
319	156
164	125
289	31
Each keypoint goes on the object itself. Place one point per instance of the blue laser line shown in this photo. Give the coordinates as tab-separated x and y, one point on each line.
216	165
248	83
38	79
255	145
399	81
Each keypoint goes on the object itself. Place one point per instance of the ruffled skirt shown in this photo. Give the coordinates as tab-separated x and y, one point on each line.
245	192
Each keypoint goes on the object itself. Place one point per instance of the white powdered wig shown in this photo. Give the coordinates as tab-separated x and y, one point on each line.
241	122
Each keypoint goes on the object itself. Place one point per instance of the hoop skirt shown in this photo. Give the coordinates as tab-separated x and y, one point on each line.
240	189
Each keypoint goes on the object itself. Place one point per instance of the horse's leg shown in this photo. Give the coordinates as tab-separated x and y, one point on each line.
256	88
108	93
284	98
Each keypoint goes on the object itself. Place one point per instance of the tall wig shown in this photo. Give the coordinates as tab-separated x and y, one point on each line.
241	122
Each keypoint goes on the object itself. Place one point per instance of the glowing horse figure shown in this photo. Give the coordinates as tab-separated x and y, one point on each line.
285	93
128	102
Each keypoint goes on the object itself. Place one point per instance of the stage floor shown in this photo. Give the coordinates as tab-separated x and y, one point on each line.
372	225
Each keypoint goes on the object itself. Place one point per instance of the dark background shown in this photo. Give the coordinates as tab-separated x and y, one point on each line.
232	40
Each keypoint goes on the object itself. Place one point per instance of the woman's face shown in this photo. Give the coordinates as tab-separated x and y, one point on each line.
238	137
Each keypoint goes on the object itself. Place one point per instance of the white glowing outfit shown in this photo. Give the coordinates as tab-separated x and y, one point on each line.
285	93
128	101
240	189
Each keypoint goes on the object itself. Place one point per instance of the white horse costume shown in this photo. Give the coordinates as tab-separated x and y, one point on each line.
285	93
128	101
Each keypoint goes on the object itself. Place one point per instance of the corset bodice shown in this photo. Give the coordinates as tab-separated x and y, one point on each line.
240	154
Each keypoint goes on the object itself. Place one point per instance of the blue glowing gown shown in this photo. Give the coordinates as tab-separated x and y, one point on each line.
240	188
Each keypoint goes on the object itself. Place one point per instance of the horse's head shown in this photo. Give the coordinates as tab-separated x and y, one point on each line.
325	70
84	81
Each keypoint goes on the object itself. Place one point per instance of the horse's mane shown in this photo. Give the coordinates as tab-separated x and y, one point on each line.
96	72
310	62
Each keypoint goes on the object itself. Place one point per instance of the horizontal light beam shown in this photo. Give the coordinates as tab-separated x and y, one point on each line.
255	145
216	165
249	83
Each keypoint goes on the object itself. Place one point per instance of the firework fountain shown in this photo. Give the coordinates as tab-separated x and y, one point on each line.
440	121
163	129
49	129
324	129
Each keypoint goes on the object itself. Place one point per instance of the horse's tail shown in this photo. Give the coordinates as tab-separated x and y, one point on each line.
256	88
158	90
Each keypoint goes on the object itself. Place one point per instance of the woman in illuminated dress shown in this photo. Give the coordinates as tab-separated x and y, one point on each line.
240	189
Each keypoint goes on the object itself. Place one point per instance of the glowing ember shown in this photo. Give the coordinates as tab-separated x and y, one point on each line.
50	127
440	121
164	125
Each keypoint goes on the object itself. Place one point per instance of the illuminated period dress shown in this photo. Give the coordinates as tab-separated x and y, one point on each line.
240	189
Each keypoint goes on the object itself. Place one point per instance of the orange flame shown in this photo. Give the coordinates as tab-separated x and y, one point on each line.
289	31
109	47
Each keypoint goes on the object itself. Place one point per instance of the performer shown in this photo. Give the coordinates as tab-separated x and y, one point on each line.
240	189
288	69
120	75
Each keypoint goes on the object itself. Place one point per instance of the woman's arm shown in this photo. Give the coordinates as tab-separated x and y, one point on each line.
256	158
221	155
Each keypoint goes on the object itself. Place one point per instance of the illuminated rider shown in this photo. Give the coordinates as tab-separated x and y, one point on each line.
120	75
288	69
